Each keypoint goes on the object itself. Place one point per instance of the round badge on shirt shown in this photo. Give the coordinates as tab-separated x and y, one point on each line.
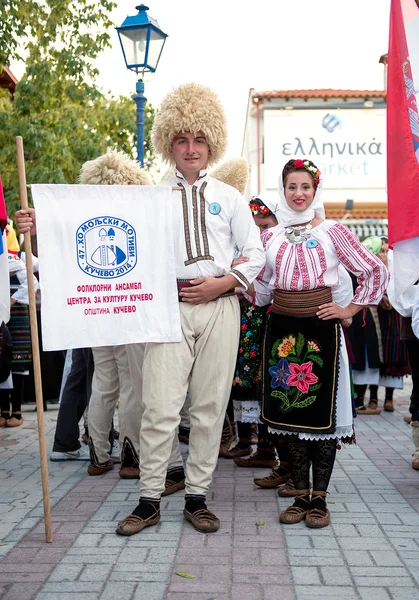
311	243
214	208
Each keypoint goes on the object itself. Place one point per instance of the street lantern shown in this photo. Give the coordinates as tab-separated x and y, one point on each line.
142	43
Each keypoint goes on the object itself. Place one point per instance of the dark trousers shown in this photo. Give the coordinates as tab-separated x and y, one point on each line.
413	354
75	398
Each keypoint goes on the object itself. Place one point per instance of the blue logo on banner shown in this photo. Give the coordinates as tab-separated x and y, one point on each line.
331	122
106	247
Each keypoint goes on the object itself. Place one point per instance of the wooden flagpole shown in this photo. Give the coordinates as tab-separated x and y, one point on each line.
35	347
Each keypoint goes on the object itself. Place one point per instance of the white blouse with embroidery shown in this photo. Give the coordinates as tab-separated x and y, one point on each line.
315	263
211	219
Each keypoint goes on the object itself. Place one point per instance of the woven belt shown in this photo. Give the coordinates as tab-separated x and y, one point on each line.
300	304
185	283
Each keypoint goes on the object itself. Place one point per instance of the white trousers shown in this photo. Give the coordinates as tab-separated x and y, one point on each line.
112	382
135	355
203	363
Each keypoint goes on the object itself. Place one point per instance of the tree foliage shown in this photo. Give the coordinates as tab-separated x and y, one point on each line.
63	117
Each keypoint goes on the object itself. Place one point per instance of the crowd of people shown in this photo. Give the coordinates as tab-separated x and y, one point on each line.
286	319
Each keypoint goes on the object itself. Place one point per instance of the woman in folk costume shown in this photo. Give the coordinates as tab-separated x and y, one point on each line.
246	394
210	220
380	355
306	384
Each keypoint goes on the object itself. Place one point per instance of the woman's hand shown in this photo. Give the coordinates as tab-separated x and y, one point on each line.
239	261
331	310
385	303
26	220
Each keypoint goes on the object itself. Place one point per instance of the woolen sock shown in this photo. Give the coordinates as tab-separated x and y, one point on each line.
147	508
194	502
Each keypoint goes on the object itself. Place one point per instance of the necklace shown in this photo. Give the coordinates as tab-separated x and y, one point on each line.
298	233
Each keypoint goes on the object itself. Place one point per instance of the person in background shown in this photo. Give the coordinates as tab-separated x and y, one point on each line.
380	354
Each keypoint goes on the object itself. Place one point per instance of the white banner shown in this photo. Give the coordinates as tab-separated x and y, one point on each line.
106	265
347	145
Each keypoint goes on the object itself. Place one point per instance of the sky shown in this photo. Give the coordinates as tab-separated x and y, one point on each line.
234	45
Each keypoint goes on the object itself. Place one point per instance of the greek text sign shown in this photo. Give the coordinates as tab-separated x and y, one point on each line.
107	277
348	145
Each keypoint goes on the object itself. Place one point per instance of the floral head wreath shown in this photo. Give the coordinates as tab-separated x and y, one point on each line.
259	210
314	171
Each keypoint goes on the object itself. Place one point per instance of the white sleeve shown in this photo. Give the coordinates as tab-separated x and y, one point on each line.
246	237
372	275
415	312
344	291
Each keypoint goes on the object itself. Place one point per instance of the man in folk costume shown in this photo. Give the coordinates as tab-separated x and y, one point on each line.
210	219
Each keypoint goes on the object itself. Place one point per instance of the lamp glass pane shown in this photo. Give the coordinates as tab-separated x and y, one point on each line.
135	44
155	48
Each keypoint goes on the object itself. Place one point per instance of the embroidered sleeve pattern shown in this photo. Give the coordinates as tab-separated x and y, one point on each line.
265	237
303	267
240	277
371	273
278	264
323	263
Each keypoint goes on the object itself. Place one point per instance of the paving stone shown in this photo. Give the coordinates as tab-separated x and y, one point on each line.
379	593
335	576
113	590
305	575
306	592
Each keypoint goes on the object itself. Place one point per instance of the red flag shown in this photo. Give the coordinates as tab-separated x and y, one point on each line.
3	213
402	146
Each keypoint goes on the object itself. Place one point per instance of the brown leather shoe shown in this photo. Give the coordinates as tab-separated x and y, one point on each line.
415	464
129	473
388	406
369	409
100	469
227	437
15	420
295	514
316	517
5	414
407	418
273	480
256	460
203	520
238	451
133	524
288	490
172	486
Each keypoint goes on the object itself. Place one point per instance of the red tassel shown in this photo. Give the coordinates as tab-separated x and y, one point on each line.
364	316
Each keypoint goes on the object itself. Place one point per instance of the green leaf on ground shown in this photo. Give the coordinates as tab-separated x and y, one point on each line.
260	523
185	575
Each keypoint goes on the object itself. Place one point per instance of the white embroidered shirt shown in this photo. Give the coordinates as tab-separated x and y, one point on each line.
211	219
315	263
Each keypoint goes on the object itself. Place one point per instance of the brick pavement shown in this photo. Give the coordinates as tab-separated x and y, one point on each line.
371	550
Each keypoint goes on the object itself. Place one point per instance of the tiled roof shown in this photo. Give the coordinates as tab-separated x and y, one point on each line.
334	213
8	80
325	93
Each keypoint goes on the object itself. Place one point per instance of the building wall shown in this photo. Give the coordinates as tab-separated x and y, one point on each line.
345	139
